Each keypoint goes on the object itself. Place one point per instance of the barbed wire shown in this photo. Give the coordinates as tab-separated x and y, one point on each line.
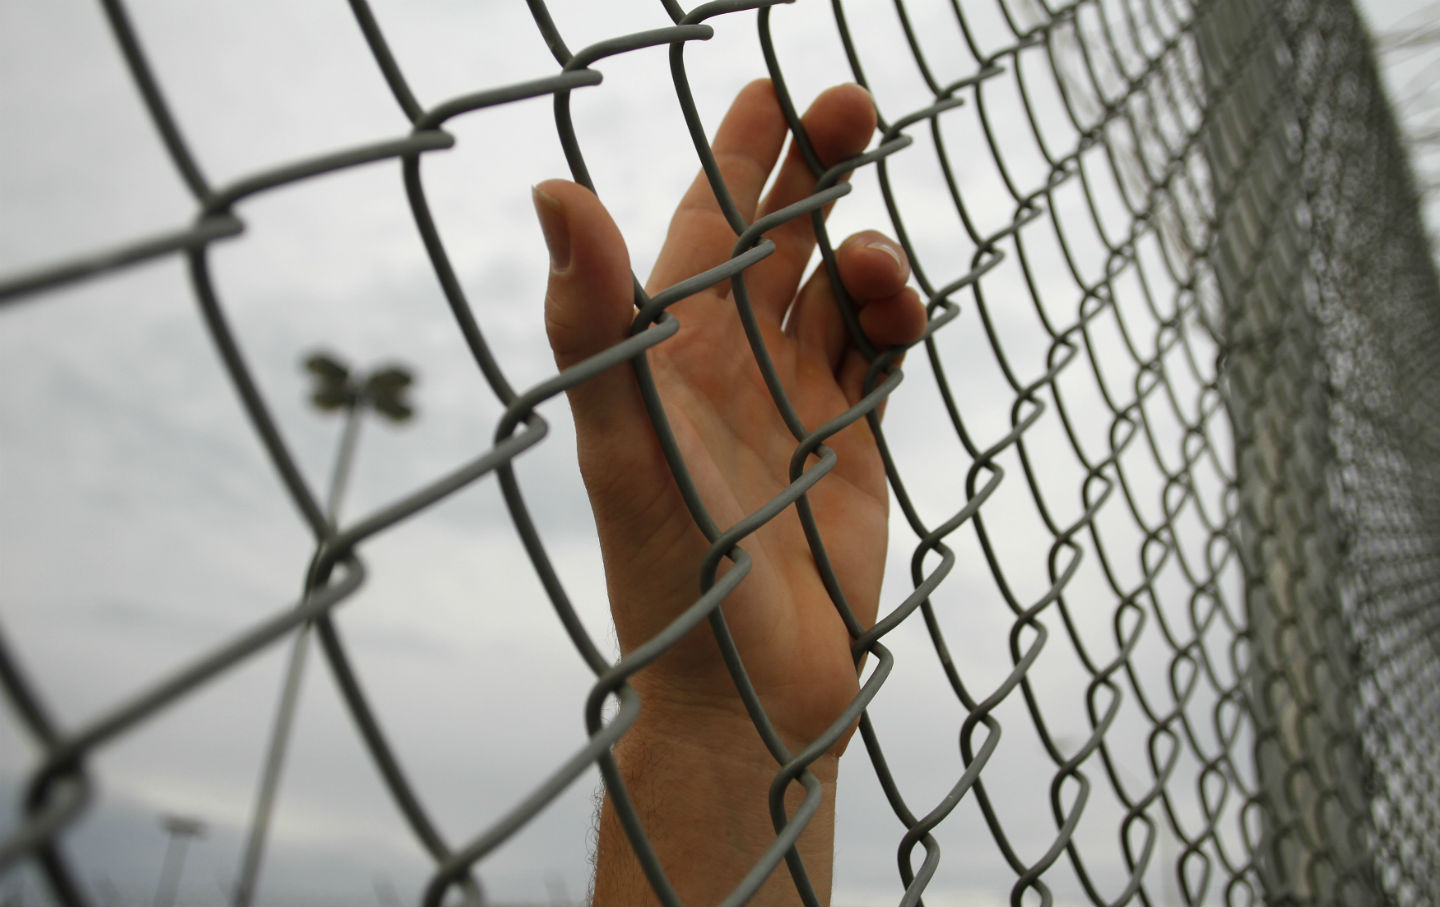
1196	268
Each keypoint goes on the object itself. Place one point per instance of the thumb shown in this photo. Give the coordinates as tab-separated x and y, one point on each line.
589	305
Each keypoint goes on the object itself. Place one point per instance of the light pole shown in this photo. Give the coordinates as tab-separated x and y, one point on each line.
180	829
384	391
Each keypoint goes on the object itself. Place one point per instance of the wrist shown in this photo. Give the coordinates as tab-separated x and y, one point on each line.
700	780
709	727
721	736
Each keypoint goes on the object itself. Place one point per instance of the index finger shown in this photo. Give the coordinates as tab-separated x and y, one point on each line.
839	124
745	149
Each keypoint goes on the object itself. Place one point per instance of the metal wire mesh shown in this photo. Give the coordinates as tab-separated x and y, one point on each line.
1181	330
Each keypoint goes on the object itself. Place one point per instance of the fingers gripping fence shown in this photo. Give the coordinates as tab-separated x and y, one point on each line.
1196	501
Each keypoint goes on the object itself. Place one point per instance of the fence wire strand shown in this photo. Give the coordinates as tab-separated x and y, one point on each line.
1205	209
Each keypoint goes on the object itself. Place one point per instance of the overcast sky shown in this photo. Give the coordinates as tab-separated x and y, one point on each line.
141	524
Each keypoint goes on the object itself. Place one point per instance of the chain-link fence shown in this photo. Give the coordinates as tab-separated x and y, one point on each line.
1160	623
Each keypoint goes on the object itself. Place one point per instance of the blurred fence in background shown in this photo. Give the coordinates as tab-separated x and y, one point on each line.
1184	240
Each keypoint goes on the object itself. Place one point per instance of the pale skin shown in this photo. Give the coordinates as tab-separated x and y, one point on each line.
693	762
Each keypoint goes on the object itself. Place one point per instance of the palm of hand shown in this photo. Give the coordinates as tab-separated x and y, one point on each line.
735	445
737	450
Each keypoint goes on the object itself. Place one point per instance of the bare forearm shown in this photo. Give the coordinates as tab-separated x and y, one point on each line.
703	796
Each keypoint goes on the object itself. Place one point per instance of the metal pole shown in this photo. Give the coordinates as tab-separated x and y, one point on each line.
180	830
290	690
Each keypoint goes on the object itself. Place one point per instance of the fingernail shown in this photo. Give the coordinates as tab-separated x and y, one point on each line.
889	249
553	225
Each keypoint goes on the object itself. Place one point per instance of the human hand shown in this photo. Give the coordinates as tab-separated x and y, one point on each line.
734	442
693	754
